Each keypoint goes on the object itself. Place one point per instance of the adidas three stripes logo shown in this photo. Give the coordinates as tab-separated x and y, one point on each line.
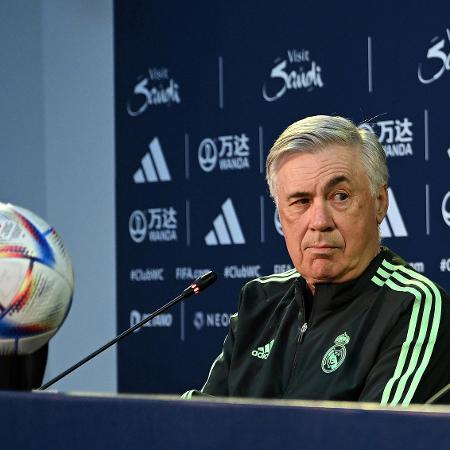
263	352
226	228
154	167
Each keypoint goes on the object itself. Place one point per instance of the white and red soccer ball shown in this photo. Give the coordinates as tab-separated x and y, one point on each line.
36	281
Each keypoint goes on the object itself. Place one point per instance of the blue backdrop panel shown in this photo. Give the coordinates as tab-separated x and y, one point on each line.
201	94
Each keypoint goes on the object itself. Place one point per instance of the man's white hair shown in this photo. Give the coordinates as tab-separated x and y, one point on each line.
315	133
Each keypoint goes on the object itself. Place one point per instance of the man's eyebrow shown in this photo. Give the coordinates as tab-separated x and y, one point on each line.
336	180
299	194
330	184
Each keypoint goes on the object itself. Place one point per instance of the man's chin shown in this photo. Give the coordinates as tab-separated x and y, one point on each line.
323	271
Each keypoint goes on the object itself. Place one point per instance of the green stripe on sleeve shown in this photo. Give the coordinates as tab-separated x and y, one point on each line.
432	334
187	395
406	344
377	281
421	339
424	337
383	273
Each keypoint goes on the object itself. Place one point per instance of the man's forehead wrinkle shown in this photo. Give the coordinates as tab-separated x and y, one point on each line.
336	180
309	173
299	194
332	182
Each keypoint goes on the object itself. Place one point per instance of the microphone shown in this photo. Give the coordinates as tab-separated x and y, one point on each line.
201	283
197	286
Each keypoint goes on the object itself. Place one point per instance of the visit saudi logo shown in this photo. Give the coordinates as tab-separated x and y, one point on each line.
335	355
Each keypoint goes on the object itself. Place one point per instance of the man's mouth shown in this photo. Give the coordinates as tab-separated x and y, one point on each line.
321	248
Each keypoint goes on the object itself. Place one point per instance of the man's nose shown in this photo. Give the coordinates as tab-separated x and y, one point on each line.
321	218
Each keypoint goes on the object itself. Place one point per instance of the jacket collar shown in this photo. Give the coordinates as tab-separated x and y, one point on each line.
331	296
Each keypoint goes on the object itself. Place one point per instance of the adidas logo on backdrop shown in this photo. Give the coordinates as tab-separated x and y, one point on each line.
226	230
393	225
153	165
263	352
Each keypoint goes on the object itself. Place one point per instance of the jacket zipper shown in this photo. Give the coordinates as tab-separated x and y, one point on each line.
301	332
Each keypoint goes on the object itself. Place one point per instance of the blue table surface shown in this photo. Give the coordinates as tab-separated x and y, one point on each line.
92	421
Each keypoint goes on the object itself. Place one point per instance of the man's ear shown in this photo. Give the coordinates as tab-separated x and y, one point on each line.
381	203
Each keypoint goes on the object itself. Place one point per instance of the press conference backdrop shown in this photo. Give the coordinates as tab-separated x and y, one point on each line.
202	90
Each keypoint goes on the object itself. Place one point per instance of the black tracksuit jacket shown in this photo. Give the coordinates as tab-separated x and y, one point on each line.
383	337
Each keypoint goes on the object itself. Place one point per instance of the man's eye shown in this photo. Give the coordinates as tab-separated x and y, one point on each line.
302	201
340	196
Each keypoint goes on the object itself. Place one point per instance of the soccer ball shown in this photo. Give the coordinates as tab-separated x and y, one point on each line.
36	281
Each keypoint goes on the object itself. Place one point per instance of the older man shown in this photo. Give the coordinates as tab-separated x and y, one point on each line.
352	321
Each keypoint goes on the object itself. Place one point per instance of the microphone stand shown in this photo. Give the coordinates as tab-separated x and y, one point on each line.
195	288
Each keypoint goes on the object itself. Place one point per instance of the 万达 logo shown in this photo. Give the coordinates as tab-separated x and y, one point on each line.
153	165
396	136
158	224
227	229
229	152
335	355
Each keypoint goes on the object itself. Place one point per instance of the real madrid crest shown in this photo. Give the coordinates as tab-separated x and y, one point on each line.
335	355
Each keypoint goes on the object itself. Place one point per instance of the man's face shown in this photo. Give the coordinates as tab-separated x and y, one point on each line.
329	217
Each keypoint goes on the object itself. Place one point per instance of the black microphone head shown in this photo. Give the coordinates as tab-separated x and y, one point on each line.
200	283
206	280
